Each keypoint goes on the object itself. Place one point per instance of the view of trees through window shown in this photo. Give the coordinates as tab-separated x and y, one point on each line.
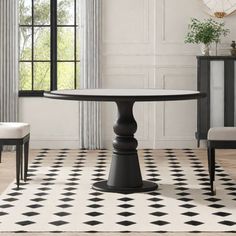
49	45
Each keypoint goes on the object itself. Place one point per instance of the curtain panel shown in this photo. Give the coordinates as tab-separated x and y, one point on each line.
8	60
90	35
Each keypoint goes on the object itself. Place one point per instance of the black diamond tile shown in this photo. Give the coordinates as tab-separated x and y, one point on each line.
154	193
94	213
4	206
182	188
222	214
187	206
14	194
11	199
190	213
184	199
125	199
154	179
216	206
98	179
25	222
70	189
98	174
64	206
34	206
52	174
212	199
153	175
125	206
49	179
41	194
152	170
160	222
126	223
62	213
3	213
126	213
67	199
158	213
47	184
75	174
58	223
68	194
227	222
30	213
183	194
155	199
73	179
44	189
231	188
38	199
96	199
72	184
93	222
156	205
194	222
96	193
94	206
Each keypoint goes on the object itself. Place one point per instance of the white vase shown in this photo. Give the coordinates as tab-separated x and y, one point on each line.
205	49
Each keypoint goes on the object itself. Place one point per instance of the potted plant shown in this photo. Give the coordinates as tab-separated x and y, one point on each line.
205	32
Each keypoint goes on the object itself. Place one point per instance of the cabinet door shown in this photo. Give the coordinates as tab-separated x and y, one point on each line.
217	93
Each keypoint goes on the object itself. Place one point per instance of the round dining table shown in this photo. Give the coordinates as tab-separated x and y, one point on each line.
125	174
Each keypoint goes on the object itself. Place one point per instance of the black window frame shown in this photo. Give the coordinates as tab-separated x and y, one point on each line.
53	49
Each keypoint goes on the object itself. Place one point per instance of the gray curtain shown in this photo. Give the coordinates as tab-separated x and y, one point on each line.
8	60
90	112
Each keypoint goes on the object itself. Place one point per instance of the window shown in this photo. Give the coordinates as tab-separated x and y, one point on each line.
49	46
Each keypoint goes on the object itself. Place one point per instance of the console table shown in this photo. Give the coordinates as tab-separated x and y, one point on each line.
125	175
215	78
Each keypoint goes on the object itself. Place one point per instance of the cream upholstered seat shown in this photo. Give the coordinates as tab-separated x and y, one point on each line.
222	133
13	130
17	134
218	138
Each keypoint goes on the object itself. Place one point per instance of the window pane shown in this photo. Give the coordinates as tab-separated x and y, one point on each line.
65	75
42	43
65	42
41	12
25	43
77	75
42	76
77	44
25	11
65	12
25	76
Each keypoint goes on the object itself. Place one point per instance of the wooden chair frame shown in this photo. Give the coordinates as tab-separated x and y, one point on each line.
20	144
211	146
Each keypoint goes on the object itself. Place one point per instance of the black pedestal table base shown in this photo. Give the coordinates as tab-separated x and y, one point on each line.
104	187
125	175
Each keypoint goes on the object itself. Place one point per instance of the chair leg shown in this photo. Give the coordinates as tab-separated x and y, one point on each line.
26	159
21	164
211	160
0	153
18	163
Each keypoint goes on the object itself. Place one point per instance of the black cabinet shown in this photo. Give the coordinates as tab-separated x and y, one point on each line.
218	107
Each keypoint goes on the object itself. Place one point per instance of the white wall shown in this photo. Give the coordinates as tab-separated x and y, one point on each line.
142	48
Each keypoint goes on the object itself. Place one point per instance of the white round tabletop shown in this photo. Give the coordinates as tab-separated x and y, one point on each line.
124	94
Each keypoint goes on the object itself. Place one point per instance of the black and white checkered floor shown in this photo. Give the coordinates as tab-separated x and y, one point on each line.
59	196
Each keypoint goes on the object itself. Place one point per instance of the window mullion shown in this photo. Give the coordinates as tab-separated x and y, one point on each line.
32	44
53	44
75	46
